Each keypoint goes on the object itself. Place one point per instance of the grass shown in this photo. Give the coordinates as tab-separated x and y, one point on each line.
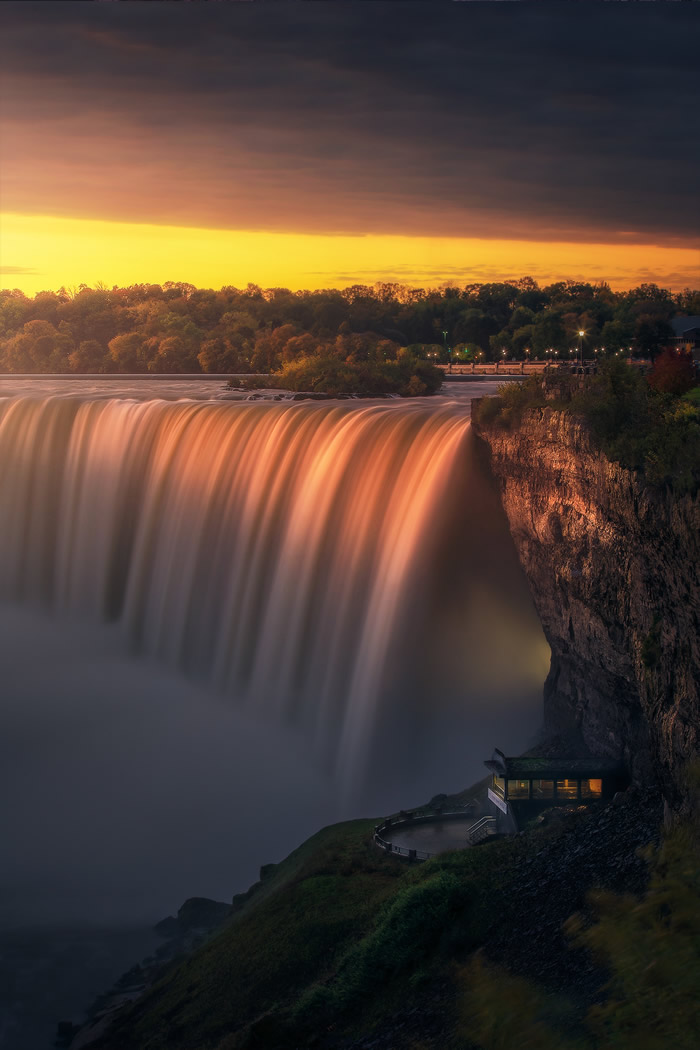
337	923
340	937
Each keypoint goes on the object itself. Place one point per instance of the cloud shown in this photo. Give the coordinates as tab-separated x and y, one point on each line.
18	270
467	120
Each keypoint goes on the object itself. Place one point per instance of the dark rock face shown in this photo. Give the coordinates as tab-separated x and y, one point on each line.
614	569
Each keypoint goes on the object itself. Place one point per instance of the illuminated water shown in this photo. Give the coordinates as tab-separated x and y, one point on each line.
227	624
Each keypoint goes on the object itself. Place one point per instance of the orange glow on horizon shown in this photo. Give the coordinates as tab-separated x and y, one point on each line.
40	253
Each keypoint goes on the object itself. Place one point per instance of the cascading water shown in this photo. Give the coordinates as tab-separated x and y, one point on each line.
269	548
341	572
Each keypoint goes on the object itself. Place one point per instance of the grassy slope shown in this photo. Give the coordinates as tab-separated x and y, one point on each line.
308	949
337	939
340	940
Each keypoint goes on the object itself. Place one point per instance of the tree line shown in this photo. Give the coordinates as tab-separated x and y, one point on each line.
177	327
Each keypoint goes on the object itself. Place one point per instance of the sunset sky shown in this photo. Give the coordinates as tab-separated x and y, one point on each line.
319	145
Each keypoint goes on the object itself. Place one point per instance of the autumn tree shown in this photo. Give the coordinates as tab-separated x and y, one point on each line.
673	372
90	356
127	352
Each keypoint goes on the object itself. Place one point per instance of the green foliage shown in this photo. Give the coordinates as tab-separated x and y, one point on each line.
330	374
649	946
508	407
182	328
291	931
672	446
501	1012
618	409
631	422
407	928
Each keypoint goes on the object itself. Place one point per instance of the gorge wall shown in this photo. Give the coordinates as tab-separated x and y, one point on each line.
614	569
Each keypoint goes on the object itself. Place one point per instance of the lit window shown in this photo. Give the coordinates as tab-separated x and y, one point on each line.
543	789
518	789
499	786
591	788
567	789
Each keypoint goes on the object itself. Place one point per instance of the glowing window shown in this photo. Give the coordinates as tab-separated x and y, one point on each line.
518	789
499	786
591	788
567	789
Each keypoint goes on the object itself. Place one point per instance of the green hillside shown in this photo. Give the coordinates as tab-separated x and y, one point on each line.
341	945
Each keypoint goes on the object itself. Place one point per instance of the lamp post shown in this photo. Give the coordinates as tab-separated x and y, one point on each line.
449	352
581	334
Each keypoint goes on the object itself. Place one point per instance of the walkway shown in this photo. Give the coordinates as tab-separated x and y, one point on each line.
428	834
435	838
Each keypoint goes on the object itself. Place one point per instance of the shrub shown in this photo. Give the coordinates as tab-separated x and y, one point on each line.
631	421
407	929
673	372
649	946
330	374
507	408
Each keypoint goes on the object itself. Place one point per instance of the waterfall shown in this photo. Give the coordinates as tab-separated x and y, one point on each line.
274	550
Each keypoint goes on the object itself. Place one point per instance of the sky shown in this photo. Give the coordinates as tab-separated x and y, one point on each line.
321	145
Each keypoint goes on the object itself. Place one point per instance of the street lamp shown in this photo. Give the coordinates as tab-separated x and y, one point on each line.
581	334
449	352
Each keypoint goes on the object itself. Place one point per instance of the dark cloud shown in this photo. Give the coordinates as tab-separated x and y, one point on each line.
555	121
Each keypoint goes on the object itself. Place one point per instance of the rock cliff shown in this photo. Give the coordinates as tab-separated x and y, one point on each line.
614	568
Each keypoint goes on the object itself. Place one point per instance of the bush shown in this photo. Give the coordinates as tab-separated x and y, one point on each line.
408	927
650	948
329	374
673	372
631	421
507	408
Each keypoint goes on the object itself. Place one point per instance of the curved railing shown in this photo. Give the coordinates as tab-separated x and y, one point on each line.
409	820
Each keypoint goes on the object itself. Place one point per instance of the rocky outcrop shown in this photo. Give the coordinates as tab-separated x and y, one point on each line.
614	569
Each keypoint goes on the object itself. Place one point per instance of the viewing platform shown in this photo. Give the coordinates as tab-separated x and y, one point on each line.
518	790
422	835
527	786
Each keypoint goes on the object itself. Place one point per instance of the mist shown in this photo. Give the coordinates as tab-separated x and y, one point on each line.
128	788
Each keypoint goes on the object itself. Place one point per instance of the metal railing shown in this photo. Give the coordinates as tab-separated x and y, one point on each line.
402	851
481	830
410	821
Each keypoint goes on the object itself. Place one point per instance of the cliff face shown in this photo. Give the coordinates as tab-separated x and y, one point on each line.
614	568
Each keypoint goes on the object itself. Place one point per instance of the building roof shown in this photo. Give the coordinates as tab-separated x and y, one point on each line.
681	325
558	768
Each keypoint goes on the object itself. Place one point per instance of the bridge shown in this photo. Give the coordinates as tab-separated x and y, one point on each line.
501	368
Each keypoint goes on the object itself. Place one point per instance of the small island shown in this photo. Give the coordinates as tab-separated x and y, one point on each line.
330	373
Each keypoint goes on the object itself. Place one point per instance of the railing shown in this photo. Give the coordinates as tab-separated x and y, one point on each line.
410	821
481	830
403	851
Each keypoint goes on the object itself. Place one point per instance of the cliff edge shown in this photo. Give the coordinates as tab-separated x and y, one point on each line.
613	565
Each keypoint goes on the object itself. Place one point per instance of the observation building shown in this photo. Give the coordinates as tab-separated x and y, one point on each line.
526	786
